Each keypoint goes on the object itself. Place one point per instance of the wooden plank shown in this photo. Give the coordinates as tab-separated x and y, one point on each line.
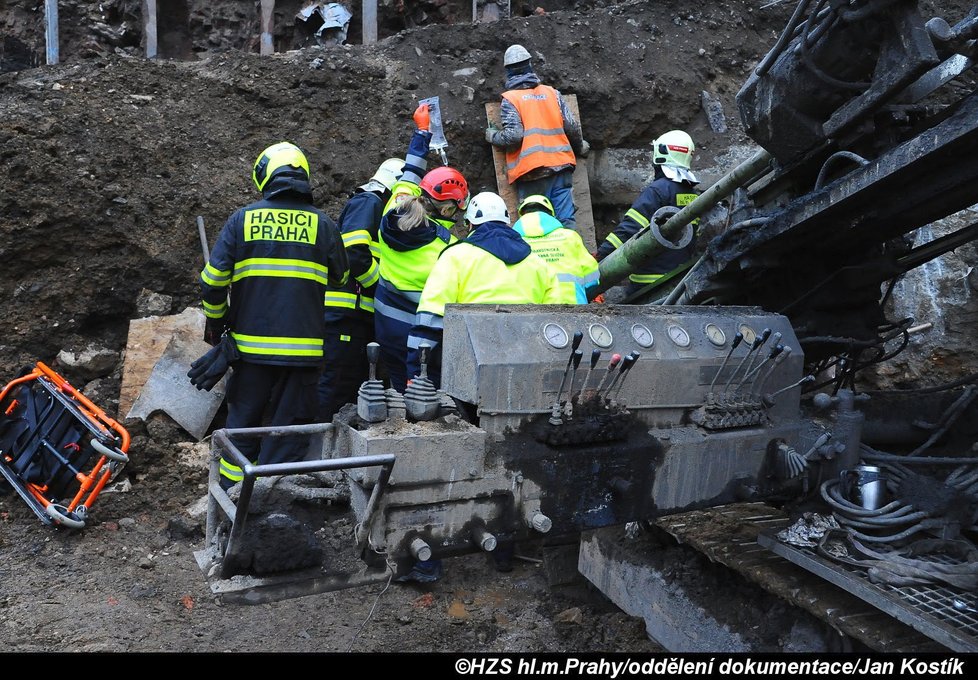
582	190
150	31
51	31
369	22
267	26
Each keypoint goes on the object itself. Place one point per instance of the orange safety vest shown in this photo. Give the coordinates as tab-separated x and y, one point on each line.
545	145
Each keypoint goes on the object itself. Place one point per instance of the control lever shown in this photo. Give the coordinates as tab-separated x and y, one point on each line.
758	341
765	334
624	373
778	360
373	356
769	398
576	360
625	365
776	349
424	350
736	341
615	359
595	355
371	400
555	409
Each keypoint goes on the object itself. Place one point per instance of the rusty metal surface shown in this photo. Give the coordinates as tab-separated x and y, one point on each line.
929	609
729	535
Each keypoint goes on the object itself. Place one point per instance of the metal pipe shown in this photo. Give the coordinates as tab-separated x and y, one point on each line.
203	238
420	550
51	31
643	245
485	540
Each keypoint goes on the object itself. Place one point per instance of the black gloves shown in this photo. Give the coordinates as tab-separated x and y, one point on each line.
213	330
208	370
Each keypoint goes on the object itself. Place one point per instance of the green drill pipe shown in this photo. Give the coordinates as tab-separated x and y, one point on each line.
643	245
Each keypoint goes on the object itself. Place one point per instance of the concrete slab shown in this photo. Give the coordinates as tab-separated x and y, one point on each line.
168	388
148	338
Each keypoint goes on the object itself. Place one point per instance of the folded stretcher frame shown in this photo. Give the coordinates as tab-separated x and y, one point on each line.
58	450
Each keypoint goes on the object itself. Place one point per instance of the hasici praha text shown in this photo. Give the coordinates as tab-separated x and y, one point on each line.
268	224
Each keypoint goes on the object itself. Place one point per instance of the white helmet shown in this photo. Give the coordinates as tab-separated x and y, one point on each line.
389	172
673	148
515	54
487	207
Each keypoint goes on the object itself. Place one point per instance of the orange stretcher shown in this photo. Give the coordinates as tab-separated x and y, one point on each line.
58	450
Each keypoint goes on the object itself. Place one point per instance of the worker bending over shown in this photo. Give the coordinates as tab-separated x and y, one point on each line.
563	249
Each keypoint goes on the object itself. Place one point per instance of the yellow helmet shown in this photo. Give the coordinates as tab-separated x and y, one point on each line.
275	159
673	148
536	202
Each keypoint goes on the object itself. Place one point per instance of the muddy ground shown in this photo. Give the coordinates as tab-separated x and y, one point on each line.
107	159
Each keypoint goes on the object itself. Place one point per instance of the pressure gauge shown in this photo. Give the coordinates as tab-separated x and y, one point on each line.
678	335
715	334
642	335
555	335
749	335
600	335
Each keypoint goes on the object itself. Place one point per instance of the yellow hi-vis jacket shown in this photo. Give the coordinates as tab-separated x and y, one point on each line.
565	252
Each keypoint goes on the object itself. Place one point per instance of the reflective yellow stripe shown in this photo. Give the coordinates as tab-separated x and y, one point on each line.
215	277
276	267
371	276
231	471
367	304
375	249
614	240
335	298
344	338
261	344
638	217
215	311
645	278
360	237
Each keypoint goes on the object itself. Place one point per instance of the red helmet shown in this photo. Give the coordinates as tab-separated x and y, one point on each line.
446	184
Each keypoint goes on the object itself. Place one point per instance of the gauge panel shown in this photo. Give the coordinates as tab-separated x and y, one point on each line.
600	335
678	335
555	335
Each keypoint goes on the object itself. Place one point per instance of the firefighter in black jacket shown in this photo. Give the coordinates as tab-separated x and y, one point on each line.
350	308
674	185
275	257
